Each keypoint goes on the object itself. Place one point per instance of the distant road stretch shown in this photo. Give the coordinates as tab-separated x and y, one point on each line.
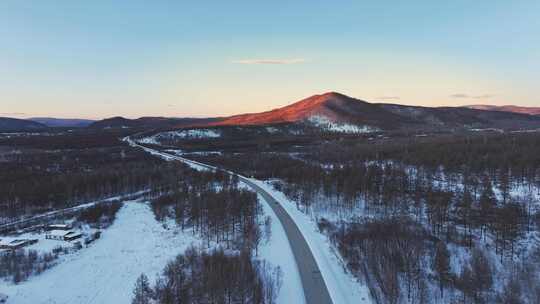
315	290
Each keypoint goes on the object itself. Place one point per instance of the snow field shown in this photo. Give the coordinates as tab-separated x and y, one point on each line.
191	134
106	271
325	123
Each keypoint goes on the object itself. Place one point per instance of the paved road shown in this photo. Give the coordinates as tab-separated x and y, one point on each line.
315	289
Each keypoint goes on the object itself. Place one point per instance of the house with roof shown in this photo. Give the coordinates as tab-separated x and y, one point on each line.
63	235
58	227
16	244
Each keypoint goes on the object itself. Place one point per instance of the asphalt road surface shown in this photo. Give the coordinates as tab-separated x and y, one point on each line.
315	290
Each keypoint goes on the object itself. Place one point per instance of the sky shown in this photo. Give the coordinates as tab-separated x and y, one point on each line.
101	58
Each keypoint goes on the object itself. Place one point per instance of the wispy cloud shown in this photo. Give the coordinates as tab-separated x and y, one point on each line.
270	61
388	98
467	96
483	96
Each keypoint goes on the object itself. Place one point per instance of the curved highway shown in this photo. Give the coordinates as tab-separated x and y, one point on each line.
315	289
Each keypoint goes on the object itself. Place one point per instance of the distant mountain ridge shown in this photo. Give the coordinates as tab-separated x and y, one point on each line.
63	122
507	108
20	125
149	122
328	108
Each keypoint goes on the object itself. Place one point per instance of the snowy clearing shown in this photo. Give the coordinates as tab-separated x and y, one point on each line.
106	271
326	124
180	134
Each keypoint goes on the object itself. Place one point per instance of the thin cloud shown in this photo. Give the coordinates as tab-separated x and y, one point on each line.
270	61
483	96
388	98
467	96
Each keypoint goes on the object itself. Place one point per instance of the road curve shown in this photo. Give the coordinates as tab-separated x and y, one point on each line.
315	289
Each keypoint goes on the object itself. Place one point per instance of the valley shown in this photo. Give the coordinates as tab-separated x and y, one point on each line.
345	201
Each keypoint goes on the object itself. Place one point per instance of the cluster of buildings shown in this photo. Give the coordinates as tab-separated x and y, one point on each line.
59	232
62	233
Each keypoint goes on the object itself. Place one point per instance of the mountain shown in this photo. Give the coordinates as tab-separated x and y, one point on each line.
62	122
114	122
332	106
341	110
508	108
150	122
338	112
19	125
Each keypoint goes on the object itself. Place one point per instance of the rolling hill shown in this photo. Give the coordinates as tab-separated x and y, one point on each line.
508	108
149	122
20	125
62	122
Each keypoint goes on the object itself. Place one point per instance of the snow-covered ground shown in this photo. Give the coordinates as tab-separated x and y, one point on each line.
136	243
278	252
106	271
180	134
487	130
272	130
326	124
343	287
43	244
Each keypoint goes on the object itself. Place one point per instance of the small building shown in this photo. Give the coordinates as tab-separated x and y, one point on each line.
70	236
63	235
64	227
56	235
17	244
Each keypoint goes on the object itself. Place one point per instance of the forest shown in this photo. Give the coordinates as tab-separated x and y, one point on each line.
419	217
211	277
19	265
454	218
39	180
231	225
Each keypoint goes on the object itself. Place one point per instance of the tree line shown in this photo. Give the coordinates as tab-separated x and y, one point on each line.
39	181
197	276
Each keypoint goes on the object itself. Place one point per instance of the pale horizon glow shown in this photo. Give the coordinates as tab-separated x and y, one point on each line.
99	59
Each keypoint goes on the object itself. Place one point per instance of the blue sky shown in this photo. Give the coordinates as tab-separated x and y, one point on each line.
98	58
